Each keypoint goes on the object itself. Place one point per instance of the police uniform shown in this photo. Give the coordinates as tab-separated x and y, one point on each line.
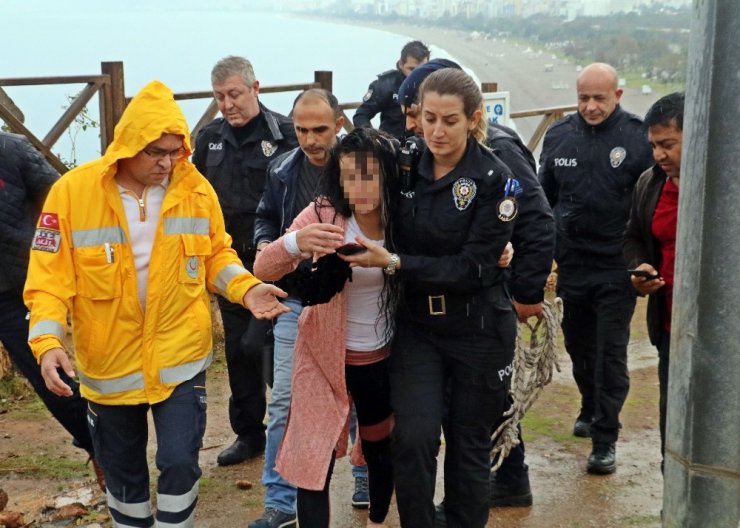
236	169
588	174
534	244
455	331
382	98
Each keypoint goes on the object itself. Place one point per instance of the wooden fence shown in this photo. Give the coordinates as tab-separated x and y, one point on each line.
109	86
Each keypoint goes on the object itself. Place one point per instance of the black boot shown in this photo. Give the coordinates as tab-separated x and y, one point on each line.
603	459
240	451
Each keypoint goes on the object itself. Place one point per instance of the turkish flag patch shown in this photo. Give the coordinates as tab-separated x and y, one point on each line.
49	221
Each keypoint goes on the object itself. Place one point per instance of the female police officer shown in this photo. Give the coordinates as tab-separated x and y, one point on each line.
456	324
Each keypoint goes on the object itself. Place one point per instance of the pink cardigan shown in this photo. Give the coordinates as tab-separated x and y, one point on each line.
320	405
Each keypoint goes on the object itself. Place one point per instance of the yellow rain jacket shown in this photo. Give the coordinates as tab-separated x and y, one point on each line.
82	261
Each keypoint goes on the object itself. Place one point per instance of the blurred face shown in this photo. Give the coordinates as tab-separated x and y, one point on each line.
409	64
236	101
360	180
316	128
666	142
598	95
446	128
152	165
413	123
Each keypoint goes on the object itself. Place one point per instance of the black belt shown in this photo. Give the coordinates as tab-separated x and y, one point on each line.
440	304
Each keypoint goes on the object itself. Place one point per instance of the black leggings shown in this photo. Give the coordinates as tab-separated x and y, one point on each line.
369	387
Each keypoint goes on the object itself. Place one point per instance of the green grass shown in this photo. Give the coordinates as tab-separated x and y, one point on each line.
44	466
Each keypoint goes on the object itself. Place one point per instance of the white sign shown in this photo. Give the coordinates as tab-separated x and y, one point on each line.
498	108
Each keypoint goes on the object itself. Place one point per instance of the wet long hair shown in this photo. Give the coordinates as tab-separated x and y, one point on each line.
330	193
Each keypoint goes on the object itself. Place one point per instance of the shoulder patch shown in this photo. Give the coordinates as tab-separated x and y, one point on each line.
367	96
47	240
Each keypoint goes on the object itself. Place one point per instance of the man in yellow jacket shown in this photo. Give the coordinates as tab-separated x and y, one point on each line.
130	244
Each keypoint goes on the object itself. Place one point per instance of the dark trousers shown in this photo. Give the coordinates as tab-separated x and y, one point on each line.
247	342
598	308
664	350
369	386
472	366
120	434
69	411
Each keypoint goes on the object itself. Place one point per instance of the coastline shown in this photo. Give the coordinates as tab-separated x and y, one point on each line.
534	77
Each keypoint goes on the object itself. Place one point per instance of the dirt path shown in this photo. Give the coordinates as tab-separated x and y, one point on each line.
38	465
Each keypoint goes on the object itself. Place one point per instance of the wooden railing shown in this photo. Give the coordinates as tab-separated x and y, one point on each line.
109	86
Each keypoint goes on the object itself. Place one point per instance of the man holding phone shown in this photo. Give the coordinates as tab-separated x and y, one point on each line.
650	239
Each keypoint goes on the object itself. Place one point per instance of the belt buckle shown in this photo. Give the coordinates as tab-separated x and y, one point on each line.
442	307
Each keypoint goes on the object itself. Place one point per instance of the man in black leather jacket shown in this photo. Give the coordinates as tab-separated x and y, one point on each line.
233	152
650	238
589	165
382	94
25	179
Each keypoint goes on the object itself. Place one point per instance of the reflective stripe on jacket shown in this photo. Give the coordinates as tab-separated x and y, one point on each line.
123	355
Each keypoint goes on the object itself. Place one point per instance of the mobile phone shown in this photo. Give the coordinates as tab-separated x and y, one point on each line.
643	273
350	249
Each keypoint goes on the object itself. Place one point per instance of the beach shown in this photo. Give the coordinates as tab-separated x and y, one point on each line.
535	78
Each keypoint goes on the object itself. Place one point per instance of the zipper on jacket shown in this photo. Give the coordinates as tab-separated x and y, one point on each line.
141	201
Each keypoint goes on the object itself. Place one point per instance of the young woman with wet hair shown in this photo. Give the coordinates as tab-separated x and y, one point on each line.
456	325
343	345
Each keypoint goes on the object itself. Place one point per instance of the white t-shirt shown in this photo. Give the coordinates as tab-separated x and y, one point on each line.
366	326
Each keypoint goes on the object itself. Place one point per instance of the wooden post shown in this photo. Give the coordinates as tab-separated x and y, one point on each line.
112	101
324	78
488	87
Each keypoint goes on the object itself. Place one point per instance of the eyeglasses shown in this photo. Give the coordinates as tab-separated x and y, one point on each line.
159	155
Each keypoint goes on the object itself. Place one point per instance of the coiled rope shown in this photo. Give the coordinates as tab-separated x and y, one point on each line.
534	360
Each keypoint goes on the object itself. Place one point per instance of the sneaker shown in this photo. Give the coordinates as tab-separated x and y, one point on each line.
603	459
361	496
505	494
240	451
274	518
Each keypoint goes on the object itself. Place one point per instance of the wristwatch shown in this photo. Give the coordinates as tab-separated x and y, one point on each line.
393	262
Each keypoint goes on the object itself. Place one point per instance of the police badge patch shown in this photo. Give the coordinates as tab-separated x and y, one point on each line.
463	192
616	156
269	148
507	209
367	96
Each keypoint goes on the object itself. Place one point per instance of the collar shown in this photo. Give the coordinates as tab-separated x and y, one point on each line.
606	123
473	164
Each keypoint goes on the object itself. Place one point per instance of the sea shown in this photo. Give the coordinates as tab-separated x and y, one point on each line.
177	43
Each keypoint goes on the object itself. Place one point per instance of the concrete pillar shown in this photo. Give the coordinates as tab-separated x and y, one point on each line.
702	463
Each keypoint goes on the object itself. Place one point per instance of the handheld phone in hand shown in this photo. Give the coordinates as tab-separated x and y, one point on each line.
643	273
350	249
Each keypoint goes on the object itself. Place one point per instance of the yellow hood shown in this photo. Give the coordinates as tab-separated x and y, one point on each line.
151	113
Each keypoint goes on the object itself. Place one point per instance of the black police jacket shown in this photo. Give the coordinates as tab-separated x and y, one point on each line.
449	232
588	174
534	228
382	97
237	171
